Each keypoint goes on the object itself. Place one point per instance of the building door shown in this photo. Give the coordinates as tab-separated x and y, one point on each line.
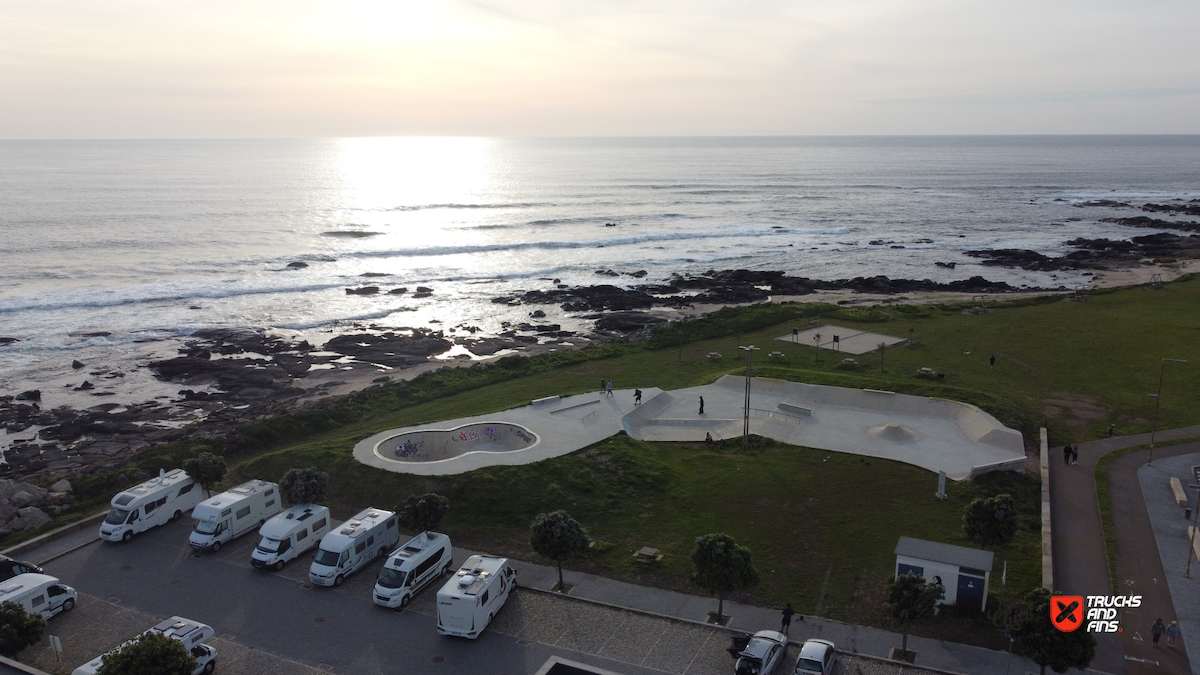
970	592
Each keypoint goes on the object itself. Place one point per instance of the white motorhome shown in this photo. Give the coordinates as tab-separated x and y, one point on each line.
352	545
411	567
191	633
289	534
158	501
40	593
471	598
233	513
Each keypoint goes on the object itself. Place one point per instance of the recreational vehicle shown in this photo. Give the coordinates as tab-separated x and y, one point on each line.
469	600
411	567
158	501
40	593
352	545
233	513
191	633
290	534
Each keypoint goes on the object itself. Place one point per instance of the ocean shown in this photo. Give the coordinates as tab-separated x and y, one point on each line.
114	251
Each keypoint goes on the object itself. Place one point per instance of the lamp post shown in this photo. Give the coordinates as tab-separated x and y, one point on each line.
750	349
1157	400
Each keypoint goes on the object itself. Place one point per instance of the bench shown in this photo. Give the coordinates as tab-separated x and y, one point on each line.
778	356
1180	496
1195	542
714	356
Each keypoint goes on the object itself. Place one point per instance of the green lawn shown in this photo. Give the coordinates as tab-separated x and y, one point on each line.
822	525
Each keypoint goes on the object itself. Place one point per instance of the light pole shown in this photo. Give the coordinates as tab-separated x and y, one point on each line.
746	412
1157	400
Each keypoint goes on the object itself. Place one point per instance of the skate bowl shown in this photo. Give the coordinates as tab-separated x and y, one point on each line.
436	445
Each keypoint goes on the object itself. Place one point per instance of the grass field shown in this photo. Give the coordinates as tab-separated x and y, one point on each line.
822	525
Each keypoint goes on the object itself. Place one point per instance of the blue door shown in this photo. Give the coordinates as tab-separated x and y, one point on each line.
970	592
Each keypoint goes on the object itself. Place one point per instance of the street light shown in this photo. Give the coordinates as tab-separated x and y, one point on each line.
1157	400
746	412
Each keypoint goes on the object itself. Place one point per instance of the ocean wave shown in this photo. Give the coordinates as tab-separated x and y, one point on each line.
431	207
351	234
132	297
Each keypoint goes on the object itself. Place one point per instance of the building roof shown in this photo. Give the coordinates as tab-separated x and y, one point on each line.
945	553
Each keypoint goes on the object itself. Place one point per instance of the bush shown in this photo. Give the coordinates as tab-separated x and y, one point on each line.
18	628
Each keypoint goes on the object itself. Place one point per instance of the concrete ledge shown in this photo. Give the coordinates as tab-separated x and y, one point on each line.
1005	465
25	546
1195	542
792	407
10	666
1180	496
573	407
1047	541
544	399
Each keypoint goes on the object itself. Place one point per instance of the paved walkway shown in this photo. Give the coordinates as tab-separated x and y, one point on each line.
1080	554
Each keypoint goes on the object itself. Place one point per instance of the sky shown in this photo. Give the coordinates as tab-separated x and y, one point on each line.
310	68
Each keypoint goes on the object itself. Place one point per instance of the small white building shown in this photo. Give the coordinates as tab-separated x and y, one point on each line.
963	572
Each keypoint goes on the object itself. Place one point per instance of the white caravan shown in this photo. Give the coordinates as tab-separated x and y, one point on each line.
40	593
158	501
352	545
191	633
290	534
469	600
409	568
233	513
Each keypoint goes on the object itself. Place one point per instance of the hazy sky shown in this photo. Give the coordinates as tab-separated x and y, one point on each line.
217	68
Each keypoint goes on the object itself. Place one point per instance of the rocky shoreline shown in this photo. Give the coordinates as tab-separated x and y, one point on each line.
230	376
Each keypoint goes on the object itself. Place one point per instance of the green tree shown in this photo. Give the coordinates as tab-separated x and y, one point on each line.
18	628
910	600
1046	645
206	469
149	654
558	536
991	521
722	567
423	512
304	486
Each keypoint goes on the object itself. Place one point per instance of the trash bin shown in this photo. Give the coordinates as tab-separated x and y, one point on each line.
1187	513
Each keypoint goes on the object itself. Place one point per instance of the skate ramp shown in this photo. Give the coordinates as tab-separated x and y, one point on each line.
435	445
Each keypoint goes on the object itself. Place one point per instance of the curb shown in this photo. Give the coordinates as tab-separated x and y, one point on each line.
731	631
1047	539
29	545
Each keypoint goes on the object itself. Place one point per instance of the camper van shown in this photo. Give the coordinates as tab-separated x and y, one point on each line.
469	600
158	501
39	593
290	534
352	545
191	633
411	567
233	513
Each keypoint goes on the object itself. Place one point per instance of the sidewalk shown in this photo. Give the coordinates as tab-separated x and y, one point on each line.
1080	554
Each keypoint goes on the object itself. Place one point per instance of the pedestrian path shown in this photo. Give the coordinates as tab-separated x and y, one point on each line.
1080	552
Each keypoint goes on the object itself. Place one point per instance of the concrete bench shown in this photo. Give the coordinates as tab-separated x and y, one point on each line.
778	356
714	356
798	409
1195	542
1180	495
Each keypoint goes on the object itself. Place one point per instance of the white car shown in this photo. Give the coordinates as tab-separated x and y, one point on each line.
763	654
817	657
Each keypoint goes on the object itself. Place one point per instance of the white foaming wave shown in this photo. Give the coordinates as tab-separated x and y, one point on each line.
552	245
431	207
148	294
1118	195
318	323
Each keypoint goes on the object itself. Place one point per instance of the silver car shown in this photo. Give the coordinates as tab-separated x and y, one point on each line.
762	654
817	657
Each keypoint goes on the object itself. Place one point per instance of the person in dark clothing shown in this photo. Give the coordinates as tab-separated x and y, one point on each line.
1066	454
1074	454
787	618
708	440
992	361
637	396
1156	631
701	405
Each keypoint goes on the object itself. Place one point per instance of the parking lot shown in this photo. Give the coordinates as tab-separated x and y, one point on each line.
268	622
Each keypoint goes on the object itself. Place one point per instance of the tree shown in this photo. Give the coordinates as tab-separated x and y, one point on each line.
722	567
304	486
991	521
18	628
558	536
882	346
149	654
206	469
909	600
423	512
1040	641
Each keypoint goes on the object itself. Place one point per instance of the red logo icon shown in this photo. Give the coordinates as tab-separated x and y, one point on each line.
1066	612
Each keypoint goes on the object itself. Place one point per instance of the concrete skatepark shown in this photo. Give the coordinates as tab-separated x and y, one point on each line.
934	434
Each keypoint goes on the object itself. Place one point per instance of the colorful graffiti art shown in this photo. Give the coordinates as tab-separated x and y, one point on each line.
467	436
409	448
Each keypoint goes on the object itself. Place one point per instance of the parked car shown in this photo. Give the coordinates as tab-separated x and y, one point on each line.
817	657
10	568
762	654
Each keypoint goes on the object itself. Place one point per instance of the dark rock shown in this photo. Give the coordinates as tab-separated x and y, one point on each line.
1155	223
537	314
401	291
607	273
31	395
1191	208
627	322
8	340
297	265
424	289
389	349
1104	202
365	290
77	364
85	386
374	274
